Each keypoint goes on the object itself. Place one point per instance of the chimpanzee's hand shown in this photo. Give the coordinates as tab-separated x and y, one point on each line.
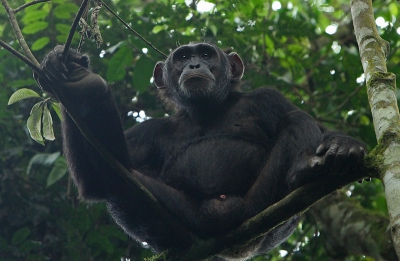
73	76
336	155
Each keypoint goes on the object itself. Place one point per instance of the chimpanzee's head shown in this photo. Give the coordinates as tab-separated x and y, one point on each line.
197	73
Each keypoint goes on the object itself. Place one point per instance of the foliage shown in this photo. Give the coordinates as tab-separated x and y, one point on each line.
287	44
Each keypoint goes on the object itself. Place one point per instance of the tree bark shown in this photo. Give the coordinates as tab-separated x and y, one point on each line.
349	229
381	87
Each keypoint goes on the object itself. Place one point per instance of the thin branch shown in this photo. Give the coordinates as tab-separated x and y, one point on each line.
73	28
21	57
22	7
133	31
348	98
18	33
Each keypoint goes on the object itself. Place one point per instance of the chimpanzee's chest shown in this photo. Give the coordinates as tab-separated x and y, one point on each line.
224	157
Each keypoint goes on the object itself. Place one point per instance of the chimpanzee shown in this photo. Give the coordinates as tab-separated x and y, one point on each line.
222	158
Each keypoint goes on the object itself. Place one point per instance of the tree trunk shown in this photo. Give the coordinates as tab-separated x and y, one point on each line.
381	87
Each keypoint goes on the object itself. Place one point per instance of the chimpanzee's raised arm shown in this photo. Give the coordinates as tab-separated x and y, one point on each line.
90	94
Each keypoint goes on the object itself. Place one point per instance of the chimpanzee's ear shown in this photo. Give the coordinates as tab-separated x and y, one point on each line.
158	75
237	67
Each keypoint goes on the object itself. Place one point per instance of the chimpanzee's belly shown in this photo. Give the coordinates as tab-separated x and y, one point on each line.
215	166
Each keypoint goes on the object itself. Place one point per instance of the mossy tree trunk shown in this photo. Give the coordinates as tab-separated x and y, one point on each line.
381	87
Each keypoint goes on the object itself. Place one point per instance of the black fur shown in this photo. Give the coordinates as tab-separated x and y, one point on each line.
222	158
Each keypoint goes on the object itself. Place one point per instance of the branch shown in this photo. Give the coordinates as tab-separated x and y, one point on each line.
21	57
348	98
73	28
365	227
381	89
18	33
22	7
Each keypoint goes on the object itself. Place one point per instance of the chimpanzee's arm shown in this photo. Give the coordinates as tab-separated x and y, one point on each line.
91	96
298	137
303	151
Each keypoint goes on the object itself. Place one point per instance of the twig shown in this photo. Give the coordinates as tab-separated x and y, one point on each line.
95	23
73	28
17	31
22	7
21	57
133	31
348	98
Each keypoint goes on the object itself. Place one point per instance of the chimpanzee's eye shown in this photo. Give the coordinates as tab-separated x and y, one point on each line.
206	55
183	57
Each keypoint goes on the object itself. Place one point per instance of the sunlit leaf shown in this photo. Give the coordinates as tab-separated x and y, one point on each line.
213	29
40	43
364	120
34	15
22	94
57	108
35	27
57	172
159	28
63	28
34	123
65	10
45	159
48	132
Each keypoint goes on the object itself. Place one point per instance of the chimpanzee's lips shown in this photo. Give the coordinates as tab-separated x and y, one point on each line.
190	76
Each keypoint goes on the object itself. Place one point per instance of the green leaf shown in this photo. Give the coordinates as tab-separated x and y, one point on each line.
57	108
35	27
117	65
48	133
20	236
40	43
159	28
34	15
269	44
57	172
213	29
98	240
65	11
45	159
63	28
34	123
22	94
142	73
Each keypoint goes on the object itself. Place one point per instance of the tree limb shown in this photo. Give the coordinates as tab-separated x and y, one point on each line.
22	7
366	233
73	28
20	38
21	57
381	89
